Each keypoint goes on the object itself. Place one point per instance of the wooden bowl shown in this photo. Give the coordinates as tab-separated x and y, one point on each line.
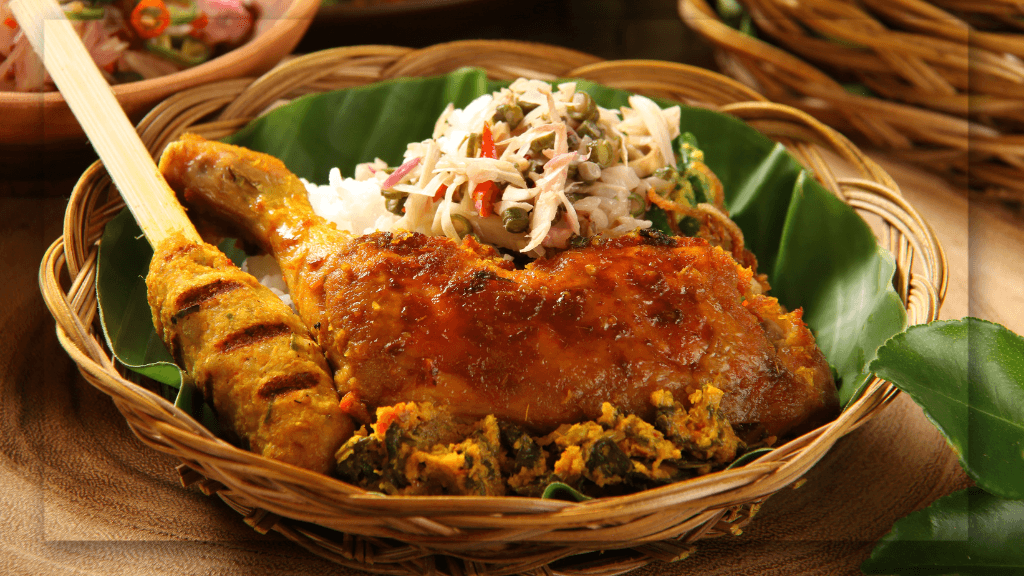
34	118
410	535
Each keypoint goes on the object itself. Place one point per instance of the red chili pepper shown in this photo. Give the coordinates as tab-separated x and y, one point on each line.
483	196
485	192
11	23
150	18
487	143
440	192
196	26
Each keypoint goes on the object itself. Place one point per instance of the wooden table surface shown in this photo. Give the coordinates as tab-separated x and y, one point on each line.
79	494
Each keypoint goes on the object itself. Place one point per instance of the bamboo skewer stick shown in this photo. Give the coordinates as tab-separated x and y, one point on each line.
150	199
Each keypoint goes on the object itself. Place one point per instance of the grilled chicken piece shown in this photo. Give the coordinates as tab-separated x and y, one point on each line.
248	353
406	317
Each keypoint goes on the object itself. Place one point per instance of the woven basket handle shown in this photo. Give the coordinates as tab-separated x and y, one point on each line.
92	101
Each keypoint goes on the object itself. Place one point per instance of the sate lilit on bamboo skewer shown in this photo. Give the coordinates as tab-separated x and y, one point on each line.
248	353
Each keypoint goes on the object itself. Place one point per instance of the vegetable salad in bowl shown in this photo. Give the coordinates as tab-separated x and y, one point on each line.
132	40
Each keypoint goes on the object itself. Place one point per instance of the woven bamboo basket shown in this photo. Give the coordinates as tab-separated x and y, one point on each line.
944	79
482	535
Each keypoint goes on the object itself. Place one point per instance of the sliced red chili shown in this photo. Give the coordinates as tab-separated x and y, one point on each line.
440	192
150	18
485	192
483	197
196	26
487	143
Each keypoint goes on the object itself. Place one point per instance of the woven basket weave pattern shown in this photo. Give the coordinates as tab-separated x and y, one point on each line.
946	77
507	535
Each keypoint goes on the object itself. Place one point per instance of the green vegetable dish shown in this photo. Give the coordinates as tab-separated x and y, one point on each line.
132	40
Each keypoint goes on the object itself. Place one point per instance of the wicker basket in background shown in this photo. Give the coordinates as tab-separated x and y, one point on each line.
481	535
938	82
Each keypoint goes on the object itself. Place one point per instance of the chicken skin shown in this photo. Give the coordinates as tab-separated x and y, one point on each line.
406	317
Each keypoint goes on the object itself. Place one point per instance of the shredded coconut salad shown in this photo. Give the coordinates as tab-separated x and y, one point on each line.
527	169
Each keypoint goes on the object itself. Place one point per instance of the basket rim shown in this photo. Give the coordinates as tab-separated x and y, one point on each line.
71	308
956	115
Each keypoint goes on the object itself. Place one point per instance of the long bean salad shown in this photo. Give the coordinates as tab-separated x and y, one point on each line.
533	168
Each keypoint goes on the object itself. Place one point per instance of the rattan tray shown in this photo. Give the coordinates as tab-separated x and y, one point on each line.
945	77
465	535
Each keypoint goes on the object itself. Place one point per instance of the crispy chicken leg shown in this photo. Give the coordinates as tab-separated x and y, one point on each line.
407	317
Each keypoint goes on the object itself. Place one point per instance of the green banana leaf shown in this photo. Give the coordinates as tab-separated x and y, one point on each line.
817	252
969	533
124	311
968	376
